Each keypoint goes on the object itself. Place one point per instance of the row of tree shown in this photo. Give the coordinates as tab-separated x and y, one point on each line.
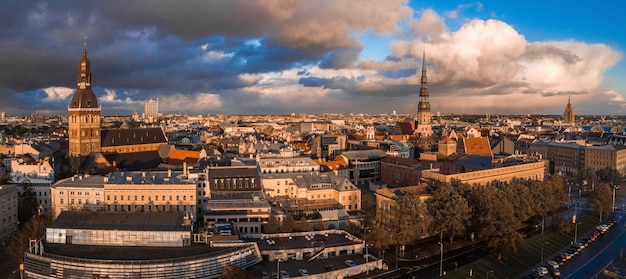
489	213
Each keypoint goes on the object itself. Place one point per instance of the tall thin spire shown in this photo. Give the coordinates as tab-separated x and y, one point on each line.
423	107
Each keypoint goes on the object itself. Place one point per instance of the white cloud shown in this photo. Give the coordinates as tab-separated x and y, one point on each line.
489	65
58	93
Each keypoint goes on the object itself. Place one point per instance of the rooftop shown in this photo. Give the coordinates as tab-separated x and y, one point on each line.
145	221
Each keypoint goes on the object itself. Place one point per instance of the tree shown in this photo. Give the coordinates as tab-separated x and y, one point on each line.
27	206
34	228
494	220
235	272
302	225
272	226
449	210
608	175
601	198
562	225
289	224
319	225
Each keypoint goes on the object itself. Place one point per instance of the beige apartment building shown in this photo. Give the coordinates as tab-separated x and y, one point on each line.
8	211
126	191
534	170
606	156
80	192
157	191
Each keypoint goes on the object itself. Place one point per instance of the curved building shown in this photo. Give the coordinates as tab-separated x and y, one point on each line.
112	245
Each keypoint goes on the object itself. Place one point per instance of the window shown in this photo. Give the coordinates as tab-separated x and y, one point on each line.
121	197
61	201
163	197
108	197
177	198
184	198
135	197
142	198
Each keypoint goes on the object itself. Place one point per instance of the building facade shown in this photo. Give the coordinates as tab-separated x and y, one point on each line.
151	110
83	117
568	115
8	213
423	107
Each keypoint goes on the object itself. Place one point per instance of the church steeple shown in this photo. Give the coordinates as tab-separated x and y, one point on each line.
83	116
568	115
423	107
84	71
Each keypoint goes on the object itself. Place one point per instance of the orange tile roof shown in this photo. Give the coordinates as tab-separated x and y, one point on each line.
177	157
477	146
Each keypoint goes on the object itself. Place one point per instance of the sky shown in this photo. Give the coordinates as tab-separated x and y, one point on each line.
316	56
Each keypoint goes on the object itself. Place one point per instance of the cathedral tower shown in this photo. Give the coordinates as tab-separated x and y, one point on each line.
568	115
423	107
83	117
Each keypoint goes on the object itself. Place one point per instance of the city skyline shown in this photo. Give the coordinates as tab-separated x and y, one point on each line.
278	57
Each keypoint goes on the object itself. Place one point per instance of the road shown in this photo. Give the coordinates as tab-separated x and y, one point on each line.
602	252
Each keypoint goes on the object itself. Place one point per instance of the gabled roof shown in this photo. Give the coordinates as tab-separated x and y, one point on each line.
135	160
121	137
477	146
406	128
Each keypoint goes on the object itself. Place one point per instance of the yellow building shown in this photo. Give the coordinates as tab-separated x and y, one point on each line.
150	191
530	170
80	192
83	117
606	156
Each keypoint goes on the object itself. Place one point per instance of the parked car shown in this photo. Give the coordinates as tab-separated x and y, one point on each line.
264	275
330	267
555	272
553	264
541	271
350	263
284	274
303	272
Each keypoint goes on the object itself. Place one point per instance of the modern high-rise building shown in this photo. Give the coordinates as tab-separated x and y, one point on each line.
151	109
83	117
423	107
568	115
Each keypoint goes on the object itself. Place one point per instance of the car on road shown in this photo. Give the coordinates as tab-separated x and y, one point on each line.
264	275
555	272
350	263
303	272
541	271
566	256
330	267
553	264
284	274
274	275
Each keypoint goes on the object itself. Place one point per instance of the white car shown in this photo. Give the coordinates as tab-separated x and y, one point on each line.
284	274
350	263
303	272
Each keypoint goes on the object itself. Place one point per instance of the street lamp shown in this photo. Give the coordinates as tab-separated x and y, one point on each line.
614	188
542	251
543	222
278	266
576	232
490	271
441	261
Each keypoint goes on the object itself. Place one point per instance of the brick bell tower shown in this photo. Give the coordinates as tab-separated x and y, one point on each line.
83	116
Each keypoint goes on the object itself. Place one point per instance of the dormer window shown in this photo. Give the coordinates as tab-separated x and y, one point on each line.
88	103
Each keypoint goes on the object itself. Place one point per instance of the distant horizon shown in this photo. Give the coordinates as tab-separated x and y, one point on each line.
303	56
